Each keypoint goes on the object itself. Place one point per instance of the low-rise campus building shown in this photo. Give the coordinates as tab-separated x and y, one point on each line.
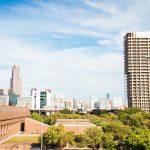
76	125
14	119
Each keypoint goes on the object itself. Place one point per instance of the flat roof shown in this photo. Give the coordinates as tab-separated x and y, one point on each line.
13	112
140	34
74	122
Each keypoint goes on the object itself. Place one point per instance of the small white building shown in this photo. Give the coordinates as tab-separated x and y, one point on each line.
41	98
49	100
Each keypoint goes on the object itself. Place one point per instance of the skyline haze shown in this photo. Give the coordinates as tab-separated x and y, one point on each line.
74	47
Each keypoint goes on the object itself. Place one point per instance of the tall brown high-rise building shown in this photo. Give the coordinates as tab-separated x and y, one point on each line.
16	81
137	69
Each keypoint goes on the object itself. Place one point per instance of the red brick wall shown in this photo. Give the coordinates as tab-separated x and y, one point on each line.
34	127
9	128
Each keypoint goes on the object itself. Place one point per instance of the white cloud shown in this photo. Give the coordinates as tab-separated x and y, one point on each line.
111	9
76	71
106	42
72	71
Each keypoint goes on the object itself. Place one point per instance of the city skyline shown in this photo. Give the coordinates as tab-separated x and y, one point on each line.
73	47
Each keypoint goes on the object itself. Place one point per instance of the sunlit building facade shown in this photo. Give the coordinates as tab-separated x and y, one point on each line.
16	81
137	69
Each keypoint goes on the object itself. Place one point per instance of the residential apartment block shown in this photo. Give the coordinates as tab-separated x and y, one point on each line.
137	69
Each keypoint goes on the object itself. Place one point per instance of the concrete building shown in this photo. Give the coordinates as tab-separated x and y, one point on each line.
45	99
81	105
104	103
8	97
16	81
117	103
4	97
5	91
25	102
77	104
4	100
137	69
85	104
58	102
13	99
68	103
41	98
93	102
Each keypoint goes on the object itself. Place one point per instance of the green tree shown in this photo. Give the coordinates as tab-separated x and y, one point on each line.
109	142
80	140
119	131
138	139
36	116
93	137
131	110
66	111
136	119
50	120
56	136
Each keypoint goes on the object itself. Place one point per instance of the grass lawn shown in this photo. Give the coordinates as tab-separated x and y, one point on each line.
22	139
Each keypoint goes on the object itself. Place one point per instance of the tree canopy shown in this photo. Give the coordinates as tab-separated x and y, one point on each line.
127	129
56	136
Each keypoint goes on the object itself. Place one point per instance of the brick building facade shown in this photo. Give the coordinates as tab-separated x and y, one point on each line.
34	127
15	119
12	120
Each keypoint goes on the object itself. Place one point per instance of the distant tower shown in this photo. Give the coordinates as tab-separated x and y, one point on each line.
16	81
108	96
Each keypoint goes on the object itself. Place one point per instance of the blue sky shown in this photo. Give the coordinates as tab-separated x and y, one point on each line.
69	46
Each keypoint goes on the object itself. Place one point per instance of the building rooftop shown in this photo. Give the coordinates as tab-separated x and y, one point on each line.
74	122
13	112
140	34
